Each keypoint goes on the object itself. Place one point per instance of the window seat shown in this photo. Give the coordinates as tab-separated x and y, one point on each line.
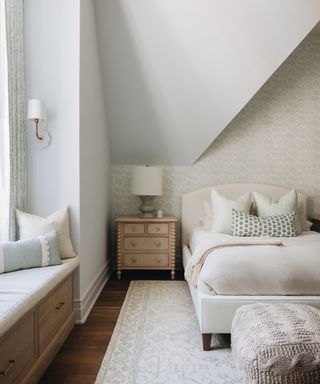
36	315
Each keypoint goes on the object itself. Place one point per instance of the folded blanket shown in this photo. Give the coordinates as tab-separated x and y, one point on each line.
200	254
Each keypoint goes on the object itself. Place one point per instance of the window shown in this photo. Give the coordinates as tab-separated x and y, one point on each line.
4	130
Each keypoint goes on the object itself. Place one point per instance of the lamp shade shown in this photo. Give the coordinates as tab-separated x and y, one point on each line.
146	181
37	109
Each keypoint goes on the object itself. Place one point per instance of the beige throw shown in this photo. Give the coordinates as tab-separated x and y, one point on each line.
200	254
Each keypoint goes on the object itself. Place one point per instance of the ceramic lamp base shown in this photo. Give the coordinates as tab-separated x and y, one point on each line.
147	207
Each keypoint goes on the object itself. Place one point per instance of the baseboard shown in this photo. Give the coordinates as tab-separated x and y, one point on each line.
83	306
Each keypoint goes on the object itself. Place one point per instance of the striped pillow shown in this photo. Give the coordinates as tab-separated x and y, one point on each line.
244	224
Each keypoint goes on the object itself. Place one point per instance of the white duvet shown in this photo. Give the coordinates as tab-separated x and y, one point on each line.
292	269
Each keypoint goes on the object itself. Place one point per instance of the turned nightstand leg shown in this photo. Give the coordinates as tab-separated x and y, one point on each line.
173	250
119	250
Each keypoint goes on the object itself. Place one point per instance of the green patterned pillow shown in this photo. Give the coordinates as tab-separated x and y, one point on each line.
244	224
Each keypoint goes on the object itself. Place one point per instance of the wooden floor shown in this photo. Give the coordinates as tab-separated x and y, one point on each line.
79	359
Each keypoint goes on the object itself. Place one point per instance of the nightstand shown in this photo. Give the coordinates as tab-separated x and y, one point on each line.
146	243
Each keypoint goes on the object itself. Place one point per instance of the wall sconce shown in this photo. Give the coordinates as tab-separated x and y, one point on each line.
37	112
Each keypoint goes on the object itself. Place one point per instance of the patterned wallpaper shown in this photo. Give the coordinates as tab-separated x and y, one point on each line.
275	139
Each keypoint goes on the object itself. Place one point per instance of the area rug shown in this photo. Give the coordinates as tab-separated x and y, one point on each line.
157	340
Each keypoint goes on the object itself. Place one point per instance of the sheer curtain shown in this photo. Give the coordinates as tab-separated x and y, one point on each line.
13	138
4	131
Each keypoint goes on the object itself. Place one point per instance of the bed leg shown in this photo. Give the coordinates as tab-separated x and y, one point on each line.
206	341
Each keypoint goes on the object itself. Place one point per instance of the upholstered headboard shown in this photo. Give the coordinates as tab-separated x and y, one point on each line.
193	202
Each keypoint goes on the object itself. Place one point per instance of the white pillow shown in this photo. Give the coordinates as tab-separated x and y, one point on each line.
304	222
267	206
206	221
32	226
222	210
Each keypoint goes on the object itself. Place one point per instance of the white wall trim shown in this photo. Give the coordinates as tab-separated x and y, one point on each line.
84	305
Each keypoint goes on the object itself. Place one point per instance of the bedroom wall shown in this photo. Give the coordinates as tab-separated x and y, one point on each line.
62	68
94	164
275	139
52	74
179	71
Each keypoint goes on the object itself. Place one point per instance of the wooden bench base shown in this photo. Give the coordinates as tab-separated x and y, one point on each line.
29	346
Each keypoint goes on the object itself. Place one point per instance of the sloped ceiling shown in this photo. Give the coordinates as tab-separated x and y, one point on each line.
176	72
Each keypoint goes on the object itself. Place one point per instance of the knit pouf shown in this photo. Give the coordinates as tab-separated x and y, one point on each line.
277	343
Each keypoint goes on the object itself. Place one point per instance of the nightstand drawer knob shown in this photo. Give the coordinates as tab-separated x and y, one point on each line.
158	260
157	229
158	243
60	305
134	259
133	228
133	243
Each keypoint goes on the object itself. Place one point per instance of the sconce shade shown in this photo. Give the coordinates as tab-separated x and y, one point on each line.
37	110
146	181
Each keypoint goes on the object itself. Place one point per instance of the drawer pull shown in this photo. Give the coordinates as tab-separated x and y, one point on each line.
158	243
158	229
133	228
5	371
158	260
134	259
133	243
60	305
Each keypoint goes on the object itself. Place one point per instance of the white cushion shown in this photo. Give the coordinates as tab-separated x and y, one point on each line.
32	226
222	210
267	206
22	290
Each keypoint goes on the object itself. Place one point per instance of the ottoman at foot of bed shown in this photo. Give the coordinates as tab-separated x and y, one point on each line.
277	343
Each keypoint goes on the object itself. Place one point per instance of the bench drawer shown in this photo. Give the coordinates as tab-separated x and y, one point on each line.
17	349
54	311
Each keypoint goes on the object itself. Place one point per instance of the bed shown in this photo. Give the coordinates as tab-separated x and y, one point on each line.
261	273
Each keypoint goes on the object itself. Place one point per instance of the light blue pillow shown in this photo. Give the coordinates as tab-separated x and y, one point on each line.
23	254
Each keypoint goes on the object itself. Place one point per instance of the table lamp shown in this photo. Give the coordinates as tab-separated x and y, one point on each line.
147	184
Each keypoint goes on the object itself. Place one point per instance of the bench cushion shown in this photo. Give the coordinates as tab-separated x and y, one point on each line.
22	290
277	343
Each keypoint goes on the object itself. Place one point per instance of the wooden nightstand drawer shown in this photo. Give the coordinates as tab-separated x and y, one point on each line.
158	228
133	229
146	244
18	350
147	260
53	312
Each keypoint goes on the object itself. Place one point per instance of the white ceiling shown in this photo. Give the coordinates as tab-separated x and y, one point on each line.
176	72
